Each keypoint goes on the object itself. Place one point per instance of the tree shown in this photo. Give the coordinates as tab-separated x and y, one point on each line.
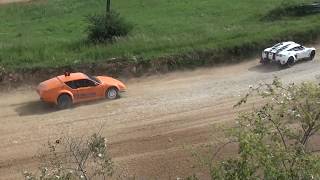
274	139
107	27
108	8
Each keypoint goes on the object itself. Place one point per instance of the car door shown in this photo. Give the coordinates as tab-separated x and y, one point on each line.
72	87
305	52
301	52
86	90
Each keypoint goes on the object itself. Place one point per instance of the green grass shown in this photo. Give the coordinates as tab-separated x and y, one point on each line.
51	33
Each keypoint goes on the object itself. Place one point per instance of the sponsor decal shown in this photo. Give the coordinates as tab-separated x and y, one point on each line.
85	95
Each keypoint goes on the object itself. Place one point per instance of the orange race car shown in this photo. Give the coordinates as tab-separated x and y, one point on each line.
71	88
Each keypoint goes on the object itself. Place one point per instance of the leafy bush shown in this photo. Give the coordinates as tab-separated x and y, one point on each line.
104	28
274	138
75	158
289	9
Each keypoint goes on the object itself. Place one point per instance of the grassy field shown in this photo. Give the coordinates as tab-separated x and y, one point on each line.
51	33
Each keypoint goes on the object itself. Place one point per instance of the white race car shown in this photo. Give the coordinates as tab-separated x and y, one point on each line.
287	53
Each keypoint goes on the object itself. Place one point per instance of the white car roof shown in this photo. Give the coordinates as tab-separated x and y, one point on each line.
284	46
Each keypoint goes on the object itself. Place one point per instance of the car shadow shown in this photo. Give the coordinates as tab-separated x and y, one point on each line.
39	107
266	68
34	108
273	67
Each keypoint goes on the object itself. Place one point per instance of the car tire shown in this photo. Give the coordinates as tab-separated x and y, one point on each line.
112	93
312	55
290	62
64	101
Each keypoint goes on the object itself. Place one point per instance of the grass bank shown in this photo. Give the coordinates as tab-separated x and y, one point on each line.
51	34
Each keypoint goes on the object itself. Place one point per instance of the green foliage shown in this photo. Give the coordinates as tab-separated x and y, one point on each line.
193	177
75	158
293	9
274	138
53	33
104	28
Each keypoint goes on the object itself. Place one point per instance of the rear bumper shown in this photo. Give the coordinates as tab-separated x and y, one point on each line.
267	60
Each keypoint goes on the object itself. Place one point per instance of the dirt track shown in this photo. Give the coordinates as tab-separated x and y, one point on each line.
150	127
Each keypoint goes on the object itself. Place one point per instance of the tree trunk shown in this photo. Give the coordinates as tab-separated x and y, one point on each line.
108	6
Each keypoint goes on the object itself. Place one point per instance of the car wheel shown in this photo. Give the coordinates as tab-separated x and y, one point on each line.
112	93
290	62
64	101
312	55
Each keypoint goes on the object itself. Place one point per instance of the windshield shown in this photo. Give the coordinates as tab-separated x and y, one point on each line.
93	78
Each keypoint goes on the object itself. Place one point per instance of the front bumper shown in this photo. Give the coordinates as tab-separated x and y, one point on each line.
122	93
